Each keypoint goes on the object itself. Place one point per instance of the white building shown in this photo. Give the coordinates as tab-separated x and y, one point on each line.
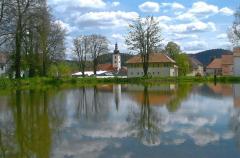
196	67
116	58
3	64
236	61
160	65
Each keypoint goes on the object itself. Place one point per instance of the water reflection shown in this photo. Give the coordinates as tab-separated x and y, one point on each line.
121	121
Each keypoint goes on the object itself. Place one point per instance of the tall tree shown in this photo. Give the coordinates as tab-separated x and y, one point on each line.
98	46
144	37
81	49
172	49
234	33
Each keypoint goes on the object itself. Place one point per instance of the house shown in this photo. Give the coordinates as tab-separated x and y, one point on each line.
196	67
159	65
222	66
215	67
3	64
236	61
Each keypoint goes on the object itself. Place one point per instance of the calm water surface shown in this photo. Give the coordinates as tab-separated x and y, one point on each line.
121	121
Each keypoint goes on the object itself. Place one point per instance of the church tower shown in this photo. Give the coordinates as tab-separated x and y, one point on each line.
116	58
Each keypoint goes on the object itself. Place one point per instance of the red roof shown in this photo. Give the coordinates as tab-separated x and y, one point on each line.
105	67
153	58
215	64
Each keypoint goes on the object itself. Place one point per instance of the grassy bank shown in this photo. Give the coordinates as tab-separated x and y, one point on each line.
75	82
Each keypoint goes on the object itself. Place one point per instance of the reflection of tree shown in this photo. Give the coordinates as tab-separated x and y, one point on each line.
181	93
33	128
90	105
144	123
82	107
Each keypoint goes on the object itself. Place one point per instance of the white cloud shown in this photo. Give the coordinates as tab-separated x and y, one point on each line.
118	36
201	10
177	36
149	7
105	20
195	46
164	19
202	7
197	26
115	4
226	11
222	36
173	5
80	3
186	16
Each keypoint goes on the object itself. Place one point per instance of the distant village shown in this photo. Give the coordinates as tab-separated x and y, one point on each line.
160	65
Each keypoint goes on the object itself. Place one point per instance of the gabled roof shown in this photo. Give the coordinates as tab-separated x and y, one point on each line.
194	62
105	67
3	58
227	59
215	64
153	58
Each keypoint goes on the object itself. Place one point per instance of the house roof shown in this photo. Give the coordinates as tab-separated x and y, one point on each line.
105	67
194	62
227	59
153	58
215	64
3	58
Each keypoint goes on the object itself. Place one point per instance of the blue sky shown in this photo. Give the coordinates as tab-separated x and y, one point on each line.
195	25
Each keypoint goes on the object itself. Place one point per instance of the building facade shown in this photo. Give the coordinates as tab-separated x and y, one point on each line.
160	65
227	64
196	67
236	61
116	58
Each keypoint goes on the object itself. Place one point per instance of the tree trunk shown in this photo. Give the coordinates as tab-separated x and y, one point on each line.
18	42
95	63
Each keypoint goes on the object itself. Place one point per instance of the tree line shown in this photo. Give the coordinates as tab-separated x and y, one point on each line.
35	41
31	37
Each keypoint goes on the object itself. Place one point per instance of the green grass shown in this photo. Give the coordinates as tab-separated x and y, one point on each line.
35	83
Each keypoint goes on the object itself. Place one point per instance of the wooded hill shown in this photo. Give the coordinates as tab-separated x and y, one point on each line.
207	56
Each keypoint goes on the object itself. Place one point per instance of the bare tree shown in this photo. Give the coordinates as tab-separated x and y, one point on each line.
81	49
234	33
144	37
98	46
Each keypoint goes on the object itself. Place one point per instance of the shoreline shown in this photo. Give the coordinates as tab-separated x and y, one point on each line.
47	82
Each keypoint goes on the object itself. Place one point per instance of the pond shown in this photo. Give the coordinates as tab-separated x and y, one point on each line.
122	121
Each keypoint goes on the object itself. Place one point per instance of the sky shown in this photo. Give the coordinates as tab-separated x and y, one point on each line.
195	25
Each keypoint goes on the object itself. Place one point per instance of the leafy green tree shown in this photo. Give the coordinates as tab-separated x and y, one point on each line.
174	51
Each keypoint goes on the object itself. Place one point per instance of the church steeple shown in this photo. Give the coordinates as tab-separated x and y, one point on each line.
116	58
116	51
